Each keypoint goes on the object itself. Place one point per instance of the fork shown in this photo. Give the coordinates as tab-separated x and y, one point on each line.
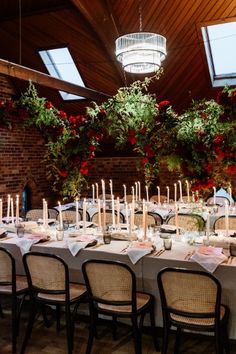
189	255
158	253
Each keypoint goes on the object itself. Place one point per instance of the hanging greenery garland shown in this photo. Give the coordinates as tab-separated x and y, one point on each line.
200	143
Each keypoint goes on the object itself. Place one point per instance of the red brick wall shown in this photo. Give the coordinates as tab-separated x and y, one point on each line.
6	89
122	170
22	151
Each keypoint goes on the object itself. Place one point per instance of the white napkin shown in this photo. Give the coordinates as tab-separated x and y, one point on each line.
75	247
135	254
209	261
25	244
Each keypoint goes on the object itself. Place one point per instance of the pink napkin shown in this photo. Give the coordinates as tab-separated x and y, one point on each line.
137	250
25	243
209	257
80	242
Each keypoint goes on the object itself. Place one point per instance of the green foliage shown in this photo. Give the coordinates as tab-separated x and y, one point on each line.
200	144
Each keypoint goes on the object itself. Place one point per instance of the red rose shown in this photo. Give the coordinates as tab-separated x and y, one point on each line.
149	150
145	161
133	140
62	114
233	97
230	169
220	155
98	136
84	164
83	171
63	173
143	131
218	139
92	148
131	137
209	168
48	105
163	105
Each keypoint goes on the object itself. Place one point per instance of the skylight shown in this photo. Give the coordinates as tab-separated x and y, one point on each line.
220	43
60	64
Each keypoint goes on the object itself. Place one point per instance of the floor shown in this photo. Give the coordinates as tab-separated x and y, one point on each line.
49	341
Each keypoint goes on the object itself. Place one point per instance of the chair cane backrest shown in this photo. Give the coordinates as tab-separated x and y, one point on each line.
107	197
70	216
52	213
152	219
109	282
220	223
46	272
95	217
7	267
129	198
188	222
154	198
189	293
34	214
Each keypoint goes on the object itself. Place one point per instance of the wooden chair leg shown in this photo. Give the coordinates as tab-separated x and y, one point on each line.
177	341
69	330
32	314
218	342
14	323
92	331
1	312
226	343
114	327
47	323
153	329
58	317
165	339
137	336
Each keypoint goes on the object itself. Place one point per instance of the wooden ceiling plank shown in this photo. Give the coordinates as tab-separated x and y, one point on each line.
107	33
24	73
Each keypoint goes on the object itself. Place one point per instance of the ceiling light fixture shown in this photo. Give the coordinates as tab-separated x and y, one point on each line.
141	52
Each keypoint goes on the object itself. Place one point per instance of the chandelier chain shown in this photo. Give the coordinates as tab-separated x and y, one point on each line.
140	17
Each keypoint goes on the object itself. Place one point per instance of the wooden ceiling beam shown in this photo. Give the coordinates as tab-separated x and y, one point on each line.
23	73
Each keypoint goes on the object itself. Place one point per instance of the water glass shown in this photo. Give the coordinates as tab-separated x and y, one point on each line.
60	234
107	237
20	230
167	243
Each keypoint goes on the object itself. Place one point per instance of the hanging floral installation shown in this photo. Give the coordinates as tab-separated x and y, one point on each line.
133	117
71	140
200	144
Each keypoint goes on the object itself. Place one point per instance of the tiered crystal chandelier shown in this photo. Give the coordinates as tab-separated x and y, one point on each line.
141	52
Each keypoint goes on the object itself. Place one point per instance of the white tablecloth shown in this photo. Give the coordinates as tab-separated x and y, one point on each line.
145	269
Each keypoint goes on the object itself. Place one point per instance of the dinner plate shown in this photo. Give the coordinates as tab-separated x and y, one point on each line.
123	237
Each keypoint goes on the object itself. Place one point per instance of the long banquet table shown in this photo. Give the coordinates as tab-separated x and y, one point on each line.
145	269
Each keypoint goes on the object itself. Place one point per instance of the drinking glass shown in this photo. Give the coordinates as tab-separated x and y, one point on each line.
20	230
167	243
59	234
